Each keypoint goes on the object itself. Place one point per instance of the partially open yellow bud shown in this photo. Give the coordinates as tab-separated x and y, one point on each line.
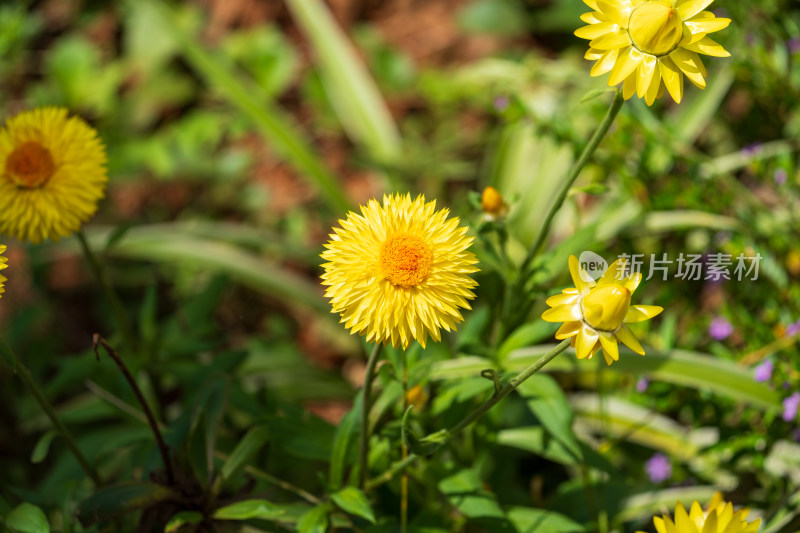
605	307
492	202
656	27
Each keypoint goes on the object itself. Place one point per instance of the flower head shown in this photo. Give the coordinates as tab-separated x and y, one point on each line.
763	372
595	314
790	406
2	266
718	517
720	329
53	174
649	45
492	203
400	271
658	468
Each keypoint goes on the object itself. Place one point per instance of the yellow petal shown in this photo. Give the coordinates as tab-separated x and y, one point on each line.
696	512
753	526
593	54
568	329
605	63
610	348
689	8
646	75
593	31
629	87
612	12
638	313
709	47
672	77
592	4
585	342
589	18
707	25
682	520
561	299
690	64
659	523
627	62
610	41
575	273
613	274
711	525
562	313
625	336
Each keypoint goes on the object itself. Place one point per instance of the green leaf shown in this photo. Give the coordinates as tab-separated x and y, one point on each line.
27	518
532	520
537	440
250	444
547	401
275	125
465	491
248	509
354	95
351	500
315	520
420	446
43	446
118	499
181	519
343	444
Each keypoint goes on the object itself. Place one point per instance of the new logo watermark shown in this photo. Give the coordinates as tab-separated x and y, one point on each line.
592	266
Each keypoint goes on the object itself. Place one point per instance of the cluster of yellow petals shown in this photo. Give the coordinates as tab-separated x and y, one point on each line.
53	174
595	314
649	45
3	265
719	517
400	271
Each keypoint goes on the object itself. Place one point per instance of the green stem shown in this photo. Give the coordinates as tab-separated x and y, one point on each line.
475	415
102	278
363	443
594	142
23	372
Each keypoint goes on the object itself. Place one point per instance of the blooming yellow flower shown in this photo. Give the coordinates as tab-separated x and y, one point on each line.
718	518
595	314
399	272
648	45
53	174
2	266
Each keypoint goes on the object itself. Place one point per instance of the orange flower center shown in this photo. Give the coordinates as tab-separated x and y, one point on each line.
656	27
30	165
405	260
604	308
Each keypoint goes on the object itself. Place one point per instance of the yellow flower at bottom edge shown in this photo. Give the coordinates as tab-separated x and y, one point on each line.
718	518
595	314
3	265
53	174
400	271
649	45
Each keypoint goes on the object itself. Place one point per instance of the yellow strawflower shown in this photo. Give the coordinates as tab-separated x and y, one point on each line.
400	271
3	265
718	518
53	174
492	203
595	314
649	45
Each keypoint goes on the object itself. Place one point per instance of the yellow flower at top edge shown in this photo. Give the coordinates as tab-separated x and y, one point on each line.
3	265
53	174
400	271
595	314
718	518
649	45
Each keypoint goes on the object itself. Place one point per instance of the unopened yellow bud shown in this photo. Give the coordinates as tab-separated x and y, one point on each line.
416	396
655	27
492	202
604	308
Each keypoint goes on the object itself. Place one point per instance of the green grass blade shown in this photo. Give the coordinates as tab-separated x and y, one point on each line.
277	127
354	95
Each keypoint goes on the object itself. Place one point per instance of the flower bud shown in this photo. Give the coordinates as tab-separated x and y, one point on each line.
655	27
492	202
604	308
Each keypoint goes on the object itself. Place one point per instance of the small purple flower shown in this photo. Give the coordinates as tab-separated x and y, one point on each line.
794	44
642	384
658	468
501	103
781	176
763	372
793	329
720	329
790	406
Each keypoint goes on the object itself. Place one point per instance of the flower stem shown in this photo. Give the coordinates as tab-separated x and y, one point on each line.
102	278
476	414
594	142
162	447
23	372
363	443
